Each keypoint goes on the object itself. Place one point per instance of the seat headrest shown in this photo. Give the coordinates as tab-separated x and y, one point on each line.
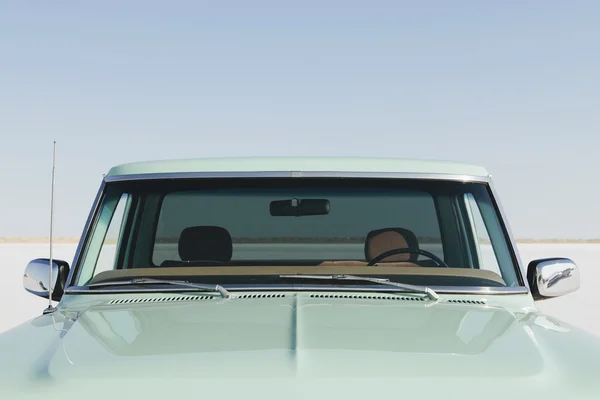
205	243
381	240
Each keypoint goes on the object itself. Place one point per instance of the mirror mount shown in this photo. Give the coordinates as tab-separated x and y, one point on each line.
36	278
552	277
299	207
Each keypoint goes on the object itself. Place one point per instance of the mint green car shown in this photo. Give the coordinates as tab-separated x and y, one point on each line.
298	278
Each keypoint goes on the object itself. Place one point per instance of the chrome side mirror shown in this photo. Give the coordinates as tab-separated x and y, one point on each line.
37	276
552	277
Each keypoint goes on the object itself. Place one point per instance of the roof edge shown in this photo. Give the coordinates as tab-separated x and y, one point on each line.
298	164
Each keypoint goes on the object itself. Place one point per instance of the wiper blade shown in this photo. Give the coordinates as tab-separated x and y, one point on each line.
150	281
415	288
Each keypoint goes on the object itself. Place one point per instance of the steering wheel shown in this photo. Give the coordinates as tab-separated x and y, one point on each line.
388	253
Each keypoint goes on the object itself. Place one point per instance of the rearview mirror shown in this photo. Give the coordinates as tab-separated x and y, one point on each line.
552	277
37	276
299	207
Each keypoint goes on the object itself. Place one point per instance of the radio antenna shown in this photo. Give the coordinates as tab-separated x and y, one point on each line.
50	288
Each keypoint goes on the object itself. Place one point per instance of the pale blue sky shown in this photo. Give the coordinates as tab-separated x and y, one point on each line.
512	85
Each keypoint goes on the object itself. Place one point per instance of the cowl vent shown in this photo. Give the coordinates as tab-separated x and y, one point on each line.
160	299
480	302
260	296
366	296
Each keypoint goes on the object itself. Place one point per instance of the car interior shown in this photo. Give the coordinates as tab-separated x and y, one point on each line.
208	250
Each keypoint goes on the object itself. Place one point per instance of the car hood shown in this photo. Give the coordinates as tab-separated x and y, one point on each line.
297	346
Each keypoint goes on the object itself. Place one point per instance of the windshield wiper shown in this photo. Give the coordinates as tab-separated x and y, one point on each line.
415	288
150	281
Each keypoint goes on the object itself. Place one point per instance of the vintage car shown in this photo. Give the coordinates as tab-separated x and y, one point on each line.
298	278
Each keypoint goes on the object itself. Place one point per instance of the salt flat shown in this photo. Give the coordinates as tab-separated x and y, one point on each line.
578	308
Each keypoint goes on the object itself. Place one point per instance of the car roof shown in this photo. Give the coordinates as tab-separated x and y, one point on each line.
298	164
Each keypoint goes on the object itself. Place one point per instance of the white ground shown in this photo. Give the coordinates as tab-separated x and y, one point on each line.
579	308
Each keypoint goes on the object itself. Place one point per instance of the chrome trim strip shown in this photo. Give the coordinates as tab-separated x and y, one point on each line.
196	175
396	175
86	229
480	290
474	290
512	242
298	174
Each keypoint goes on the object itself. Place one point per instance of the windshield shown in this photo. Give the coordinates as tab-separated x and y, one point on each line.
256	231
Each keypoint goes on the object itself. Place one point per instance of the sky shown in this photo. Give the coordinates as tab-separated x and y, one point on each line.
511	85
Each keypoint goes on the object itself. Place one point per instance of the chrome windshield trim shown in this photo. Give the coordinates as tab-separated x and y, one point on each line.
395	175
306	174
476	290
84	235
298	174
512	243
481	290
195	175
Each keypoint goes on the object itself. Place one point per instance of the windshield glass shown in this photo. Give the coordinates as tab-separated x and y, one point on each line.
252	231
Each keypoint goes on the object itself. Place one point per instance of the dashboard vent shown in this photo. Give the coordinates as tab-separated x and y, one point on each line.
366	296
160	299
480	302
